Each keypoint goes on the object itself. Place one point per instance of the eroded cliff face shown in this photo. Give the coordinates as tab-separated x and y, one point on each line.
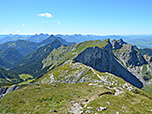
130	55
103	60
133	61
98	58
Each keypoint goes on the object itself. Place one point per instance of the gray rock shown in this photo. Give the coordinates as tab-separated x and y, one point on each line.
101	109
148	58
103	60
89	107
53	111
140	66
87	111
117	44
12	88
3	90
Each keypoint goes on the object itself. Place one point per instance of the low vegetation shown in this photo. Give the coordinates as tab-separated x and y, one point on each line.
60	98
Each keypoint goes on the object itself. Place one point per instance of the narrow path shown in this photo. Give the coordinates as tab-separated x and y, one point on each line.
91	99
97	74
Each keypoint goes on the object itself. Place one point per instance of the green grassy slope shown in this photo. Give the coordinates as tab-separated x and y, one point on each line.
70	86
148	89
9	57
62	54
32	64
71	72
43	98
22	46
7	77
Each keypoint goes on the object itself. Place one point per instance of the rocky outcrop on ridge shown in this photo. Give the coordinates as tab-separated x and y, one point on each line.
131	58
130	55
148	58
103	60
117	44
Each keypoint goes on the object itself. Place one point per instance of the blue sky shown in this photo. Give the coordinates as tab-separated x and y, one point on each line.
98	17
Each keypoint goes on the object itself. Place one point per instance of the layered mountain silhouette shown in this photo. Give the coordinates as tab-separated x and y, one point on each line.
80	78
23	48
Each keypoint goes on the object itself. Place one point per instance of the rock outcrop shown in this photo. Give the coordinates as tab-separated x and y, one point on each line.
148	58
130	55
103	60
117	44
4	90
131	58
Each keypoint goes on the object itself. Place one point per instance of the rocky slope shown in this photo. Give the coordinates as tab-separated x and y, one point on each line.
96	54
76	88
103	60
82	78
133	61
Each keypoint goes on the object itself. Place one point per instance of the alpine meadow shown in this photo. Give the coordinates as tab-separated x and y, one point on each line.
75	57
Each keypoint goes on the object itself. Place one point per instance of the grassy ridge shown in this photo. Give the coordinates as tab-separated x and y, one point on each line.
43	98
62	54
46	97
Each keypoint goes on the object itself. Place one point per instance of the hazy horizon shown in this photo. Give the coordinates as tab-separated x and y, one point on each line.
83	34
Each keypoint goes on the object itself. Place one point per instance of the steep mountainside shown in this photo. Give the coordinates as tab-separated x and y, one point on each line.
15	50
82	78
103	60
7	77
22	46
96	54
26	47
9	57
32	64
133	61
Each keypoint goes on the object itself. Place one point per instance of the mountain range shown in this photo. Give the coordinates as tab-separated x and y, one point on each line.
141	41
56	76
16	50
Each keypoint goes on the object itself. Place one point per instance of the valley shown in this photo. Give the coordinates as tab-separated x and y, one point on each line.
56	76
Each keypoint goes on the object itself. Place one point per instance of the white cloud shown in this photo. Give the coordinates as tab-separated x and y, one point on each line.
45	15
59	22
23	25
